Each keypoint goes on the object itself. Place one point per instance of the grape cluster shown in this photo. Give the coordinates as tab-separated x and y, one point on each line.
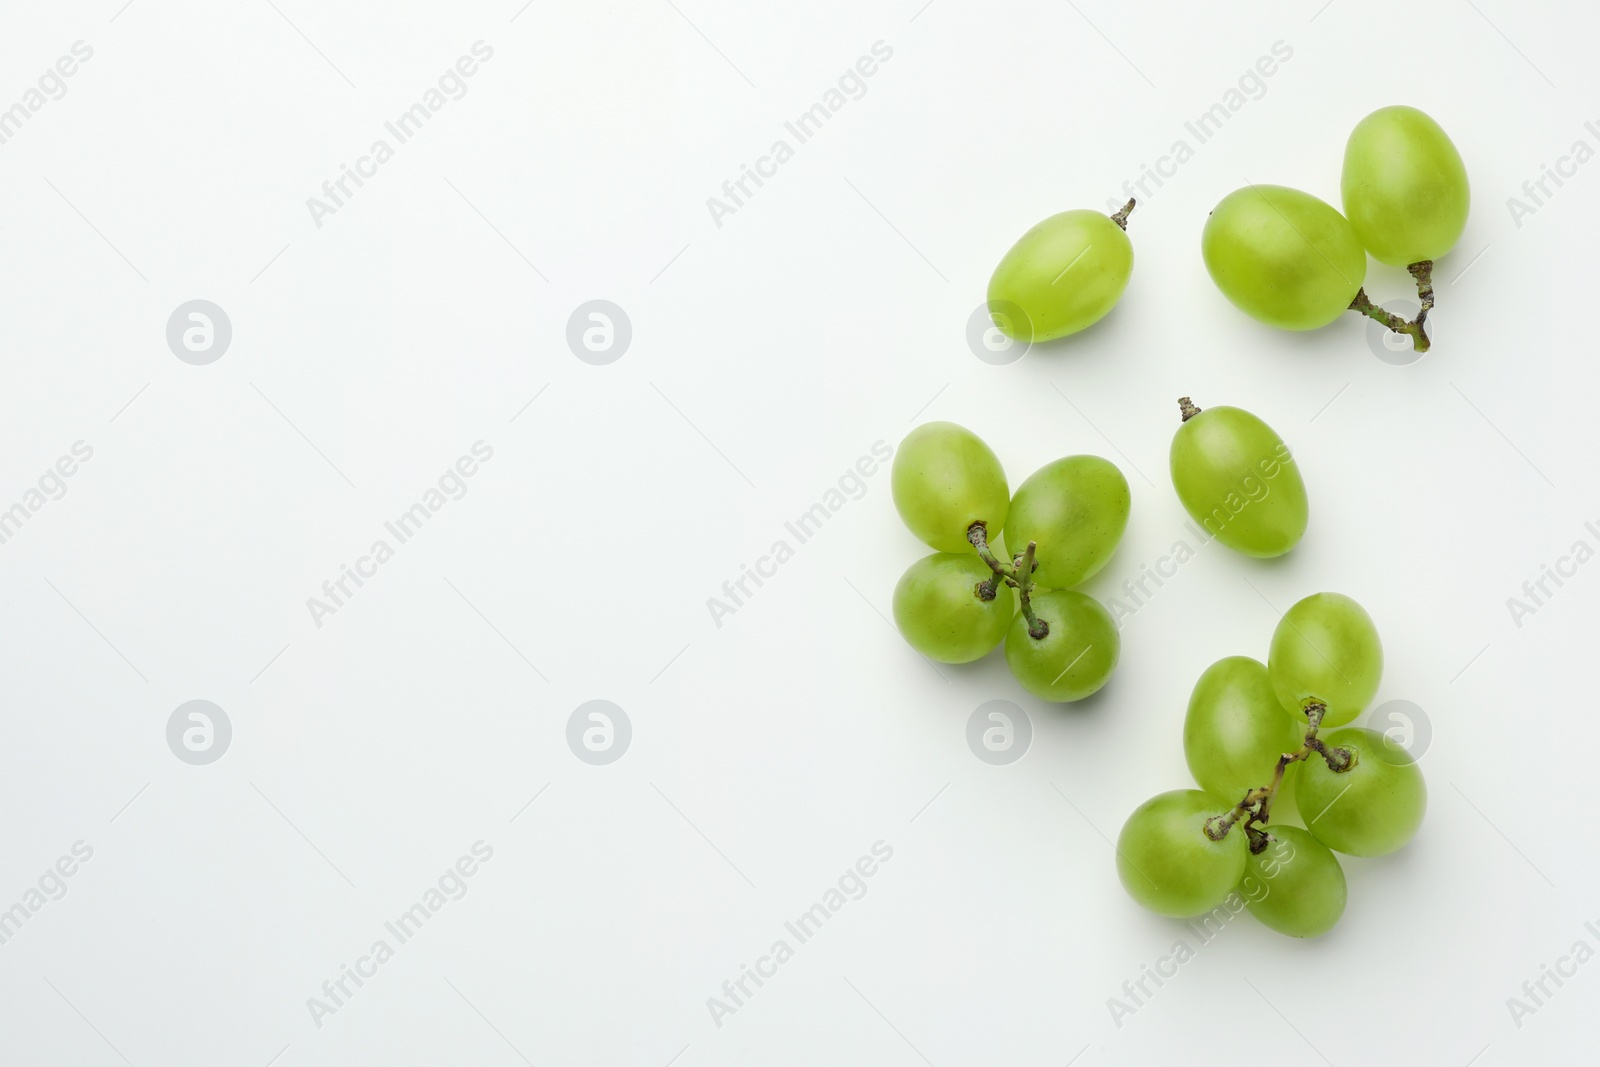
958	604
1261	733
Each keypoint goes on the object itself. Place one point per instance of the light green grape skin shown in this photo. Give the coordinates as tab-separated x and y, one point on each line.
938	612
1295	885
1236	477
1075	658
1076	510
1283	257
945	479
1373	808
1326	649
1404	186
1062	276
1166	861
1234	730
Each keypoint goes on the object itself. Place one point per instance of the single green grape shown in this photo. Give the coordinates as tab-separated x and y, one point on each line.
1326	649
1062	276
1075	658
1371	809
1235	731
1404	186
1283	257
945	479
1295	885
1237	478
940	614
1076	510
1168	863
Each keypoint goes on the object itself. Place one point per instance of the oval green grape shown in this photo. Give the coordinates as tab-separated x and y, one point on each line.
1404	186
1236	477
1283	257
944	479
1060	277
1371	809
938	611
1076	509
1299	887
1075	658
1234	730
1167	862
1326	649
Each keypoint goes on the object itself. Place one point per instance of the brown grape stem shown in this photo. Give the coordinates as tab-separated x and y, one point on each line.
1121	217
1422	271
1186	408
1038	629
1019	576
1256	807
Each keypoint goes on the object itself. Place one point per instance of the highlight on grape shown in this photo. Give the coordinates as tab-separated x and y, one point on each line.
737	592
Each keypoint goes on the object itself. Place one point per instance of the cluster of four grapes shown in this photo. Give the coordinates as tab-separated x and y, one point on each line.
960	603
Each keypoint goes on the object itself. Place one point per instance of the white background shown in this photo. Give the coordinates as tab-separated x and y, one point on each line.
769	353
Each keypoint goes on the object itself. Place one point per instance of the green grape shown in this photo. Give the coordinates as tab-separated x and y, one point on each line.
1076	509
1326	648
1371	809
1283	256
1404	186
945	479
1295	885
1235	731
1075	658
1237	478
1166	861
1061	276
939	613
